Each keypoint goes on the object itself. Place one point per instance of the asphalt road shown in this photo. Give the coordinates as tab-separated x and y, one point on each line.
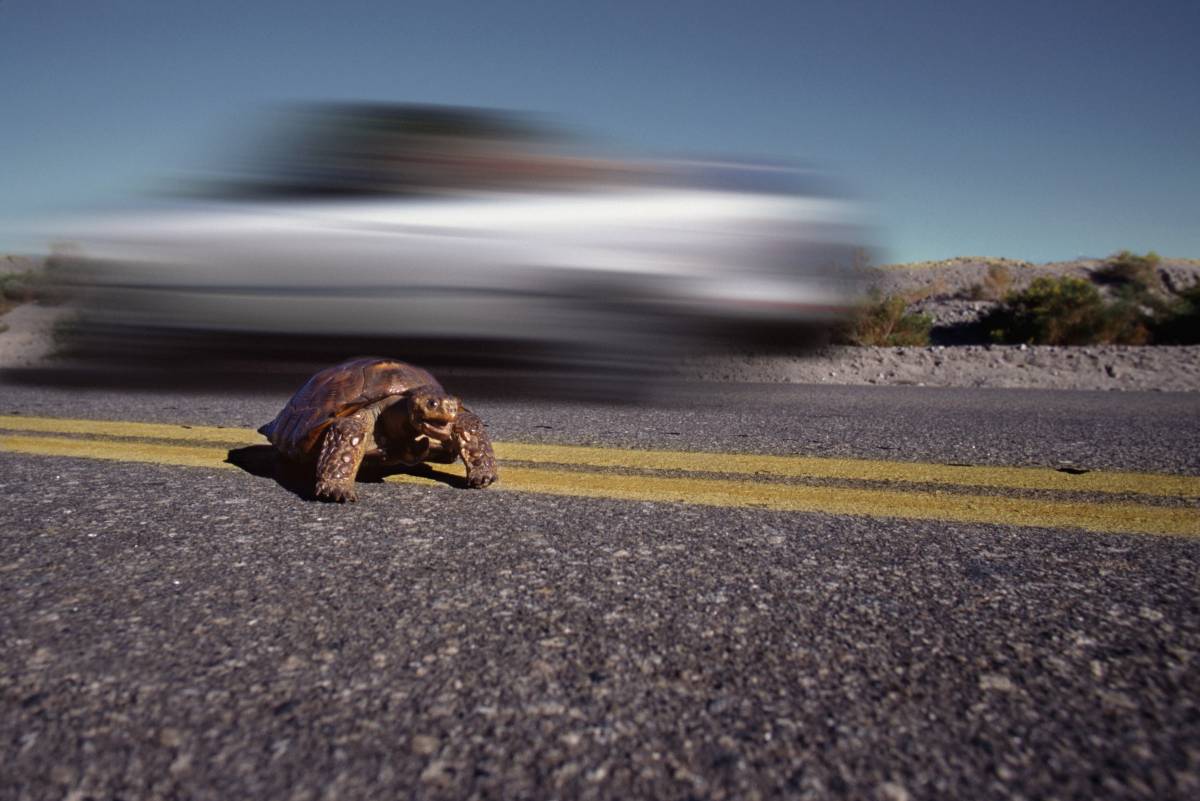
204	632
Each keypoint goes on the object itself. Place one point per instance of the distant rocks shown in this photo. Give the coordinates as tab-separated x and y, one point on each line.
956	294
959	278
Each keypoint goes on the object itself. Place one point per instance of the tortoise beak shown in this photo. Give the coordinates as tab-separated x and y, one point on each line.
435	428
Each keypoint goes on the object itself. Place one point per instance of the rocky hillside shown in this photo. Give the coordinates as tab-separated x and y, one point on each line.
958	292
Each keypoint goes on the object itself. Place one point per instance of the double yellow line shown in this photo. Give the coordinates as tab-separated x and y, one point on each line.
1041	497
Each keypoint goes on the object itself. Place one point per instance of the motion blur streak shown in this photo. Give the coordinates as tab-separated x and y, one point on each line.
420	224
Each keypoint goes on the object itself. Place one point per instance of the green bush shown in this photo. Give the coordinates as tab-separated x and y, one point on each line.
886	321
1139	274
27	286
16	287
11	291
1179	323
1067	311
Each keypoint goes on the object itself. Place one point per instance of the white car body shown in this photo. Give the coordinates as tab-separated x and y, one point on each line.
569	265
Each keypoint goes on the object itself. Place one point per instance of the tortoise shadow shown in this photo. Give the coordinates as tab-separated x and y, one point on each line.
263	461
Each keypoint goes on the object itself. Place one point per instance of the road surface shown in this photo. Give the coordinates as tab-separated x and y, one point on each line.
741	592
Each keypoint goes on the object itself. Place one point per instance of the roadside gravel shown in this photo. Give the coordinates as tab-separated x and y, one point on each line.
1116	367
27	334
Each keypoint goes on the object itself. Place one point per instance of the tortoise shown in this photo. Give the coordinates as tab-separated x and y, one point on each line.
381	410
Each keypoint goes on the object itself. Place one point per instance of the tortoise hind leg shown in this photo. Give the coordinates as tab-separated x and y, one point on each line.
342	452
475	448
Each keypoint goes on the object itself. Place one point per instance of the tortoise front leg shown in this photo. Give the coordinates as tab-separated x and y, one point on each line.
475	448
342	452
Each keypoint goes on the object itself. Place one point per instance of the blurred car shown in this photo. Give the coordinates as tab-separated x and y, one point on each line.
459	225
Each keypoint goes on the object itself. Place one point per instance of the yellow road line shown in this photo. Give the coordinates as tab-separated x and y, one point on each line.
856	469
920	504
1024	478
119	428
127	451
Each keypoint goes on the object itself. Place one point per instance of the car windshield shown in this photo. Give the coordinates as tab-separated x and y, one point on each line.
383	149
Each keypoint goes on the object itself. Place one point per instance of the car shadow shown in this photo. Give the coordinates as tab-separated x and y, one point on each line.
263	461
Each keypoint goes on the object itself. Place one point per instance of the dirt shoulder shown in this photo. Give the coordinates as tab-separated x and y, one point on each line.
1104	367
27	334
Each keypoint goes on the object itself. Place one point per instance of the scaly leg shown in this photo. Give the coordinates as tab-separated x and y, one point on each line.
475	448
341	453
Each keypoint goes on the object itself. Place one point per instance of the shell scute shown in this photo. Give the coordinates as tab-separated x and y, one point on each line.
339	391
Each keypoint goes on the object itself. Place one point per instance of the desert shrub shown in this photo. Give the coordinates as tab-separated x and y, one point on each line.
14	289
17	287
996	284
1138	274
1067	311
886	321
1179	322
1128	321
26	286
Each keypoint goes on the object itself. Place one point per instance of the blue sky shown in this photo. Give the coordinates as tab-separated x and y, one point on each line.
1037	130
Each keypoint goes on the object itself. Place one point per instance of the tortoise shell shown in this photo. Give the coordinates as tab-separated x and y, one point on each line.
336	392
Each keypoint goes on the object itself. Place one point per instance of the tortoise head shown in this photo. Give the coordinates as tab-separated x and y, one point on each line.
432	412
